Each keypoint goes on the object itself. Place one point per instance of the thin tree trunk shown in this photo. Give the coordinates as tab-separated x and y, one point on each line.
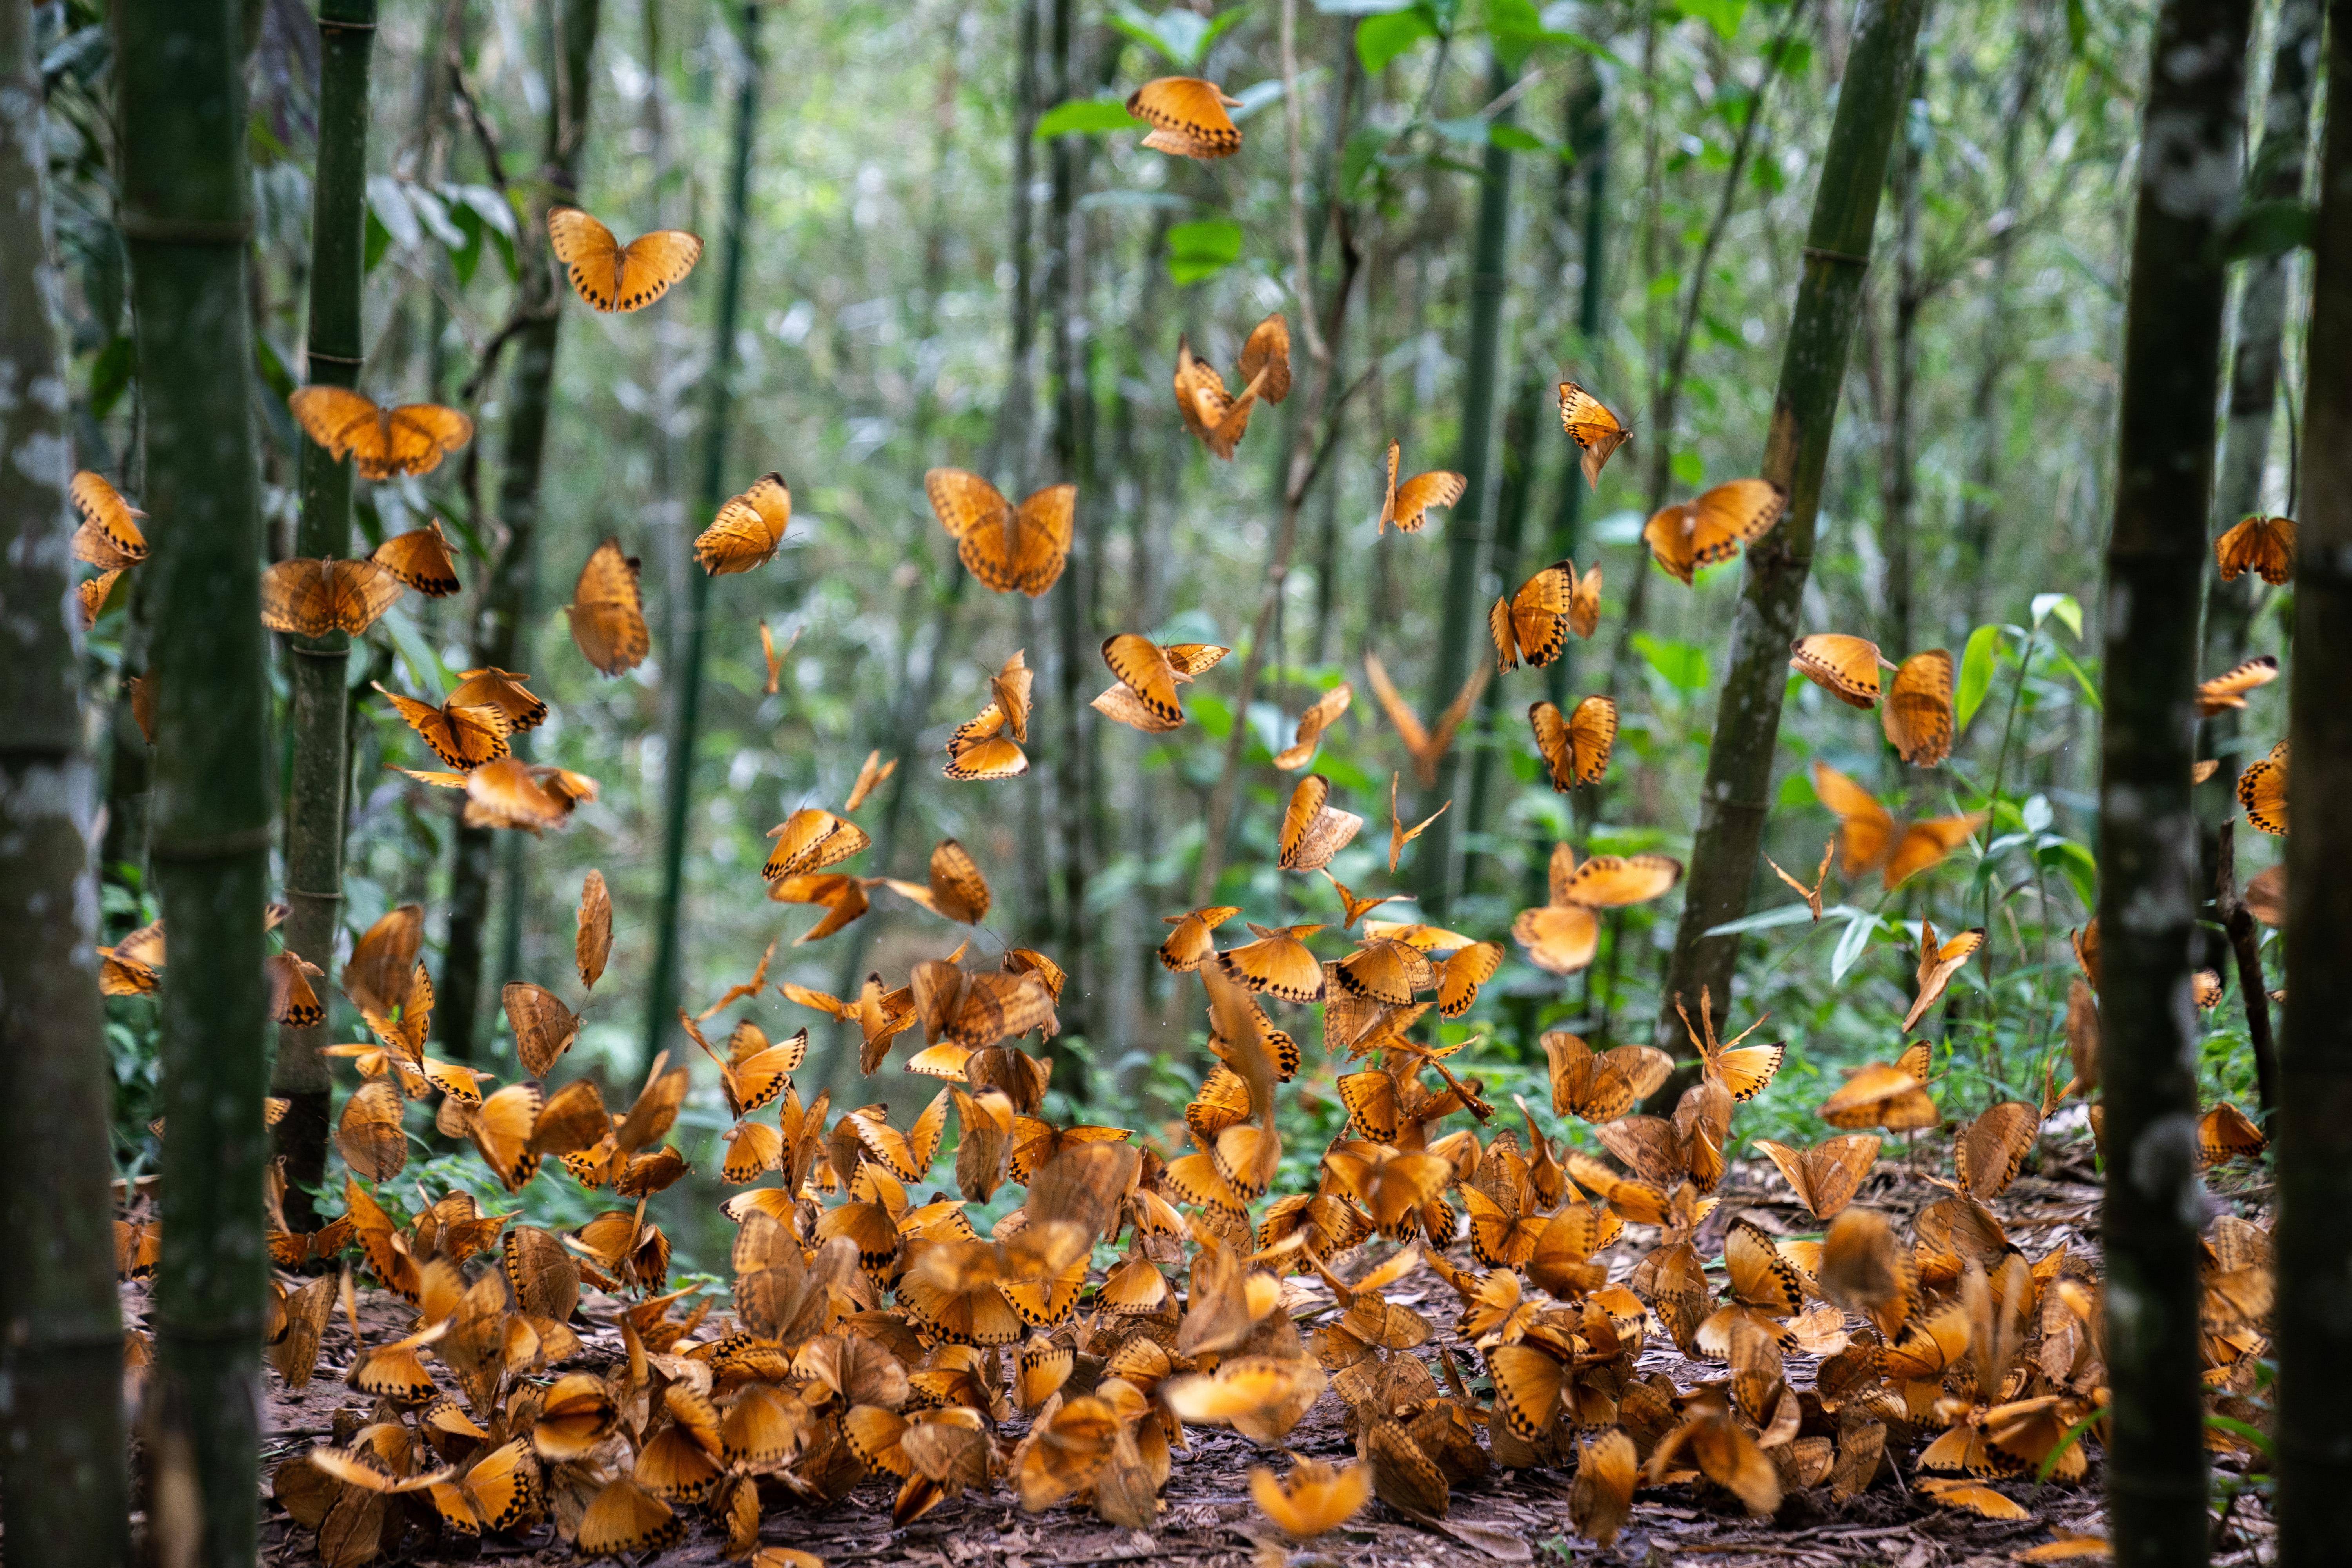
1521	422
688	641
62	1478
1899	483
2245	941
2148	893
1466	530
2314	1127
2276	176
184	216
318	705
1073	611
506	601
1804	412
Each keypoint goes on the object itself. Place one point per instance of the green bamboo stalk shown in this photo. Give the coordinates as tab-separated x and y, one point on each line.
1804	412
514	576
66	1497
2276	176
689	640
2313	1126
1513	497
1074	609
179	66
315	674
1466	530
2148	893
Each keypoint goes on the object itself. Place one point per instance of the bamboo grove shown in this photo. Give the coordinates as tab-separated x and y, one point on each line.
699	699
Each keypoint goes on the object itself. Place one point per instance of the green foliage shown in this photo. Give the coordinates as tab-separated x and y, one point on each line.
1203	248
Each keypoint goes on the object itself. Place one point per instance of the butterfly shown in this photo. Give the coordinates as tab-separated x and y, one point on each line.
411	438
1533	624
611	276
2228	689
1279	962
1686	535
748	528
1992	1149
775	660
464	735
1193	943
521	1124
420	558
2262	790
496	1492
314	598
368	1134
1356	907
1398	834
1407	505
92	594
2226	1132
871	773
842	898
593	944
880	1016
1595	430
1868	836
129	968
608	611
1575	749
1602	1086
1312	829
1562	935
534	796
504	690
1826	1176
2261	544
1010	549
1813	894
624	1519
988	747
956	891
976	1011
1469	964
1743	1071
1217	417
1315	1498
1319	716
1845	667
1187	117
1863	1271
1427	745
1938	964
1601	1499
108	536
1149	674
1892	1095
1916	715
811	839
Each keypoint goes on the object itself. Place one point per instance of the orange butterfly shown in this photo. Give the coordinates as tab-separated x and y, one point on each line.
109	536
956	891
1845	667
313	599
842	898
2262	790
810	840
608	611
871	773
1010	549
92	595
508	794
2261	544
1192	942
1216	416
1278	963
748	528
1868	836
1918	714
1686	535
1428	745
1407	505
1320	715
1596	431
1575	749
464	735
775	661
1938	964
988	746
411	439
1148	674
420	559
1562	935
504	690
1315	1498
611	276
2228	689
1187	117
1534	622
1813	894
1398	834
1312	829
1743	1071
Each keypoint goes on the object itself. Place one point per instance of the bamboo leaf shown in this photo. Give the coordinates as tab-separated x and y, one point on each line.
1202	249
1183	37
1976	674
1382	39
1859	929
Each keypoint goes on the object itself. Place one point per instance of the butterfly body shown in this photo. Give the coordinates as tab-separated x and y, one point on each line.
1595	430
314	598
1010	549
1575	748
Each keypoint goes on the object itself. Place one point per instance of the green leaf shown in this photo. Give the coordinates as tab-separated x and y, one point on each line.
1202	249
1860	927
1976	674
1688	468
1512	139
1723	15
2250	1432
2068	610
110	375
1183	37
1767	919
2067	662
1379	39
2269	228
1087	117
2073	1435
1684	665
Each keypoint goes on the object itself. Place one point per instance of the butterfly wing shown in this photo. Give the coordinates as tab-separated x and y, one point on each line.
607	611
1592	734
2262	790
1187	117
1415	496
2228	689
1866	830
652	264
1320	715
963	502
748	528
416	438
298	597
1268	350
337	419
1592	428
1560	937
1669	534
1917	712
590	255
1539	614
1584	603
1143	669
2261	544
1938	964
359	592
1201	399
109	536
1459	977
1925	844
1612	881
1038	538
421	560
1845	667
1731	516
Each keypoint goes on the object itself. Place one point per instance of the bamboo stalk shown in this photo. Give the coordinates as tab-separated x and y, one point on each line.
689	640
2147	905
513	579
1073	611
1804	412
61	1448
317	707
2314	1127
184	216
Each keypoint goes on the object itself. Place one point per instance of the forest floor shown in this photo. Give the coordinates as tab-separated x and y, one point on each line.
1508	1517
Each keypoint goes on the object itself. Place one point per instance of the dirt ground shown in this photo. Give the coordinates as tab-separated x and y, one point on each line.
1509	1517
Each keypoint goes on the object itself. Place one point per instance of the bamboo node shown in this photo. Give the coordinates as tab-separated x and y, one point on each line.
220	847
153	230
1845	258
